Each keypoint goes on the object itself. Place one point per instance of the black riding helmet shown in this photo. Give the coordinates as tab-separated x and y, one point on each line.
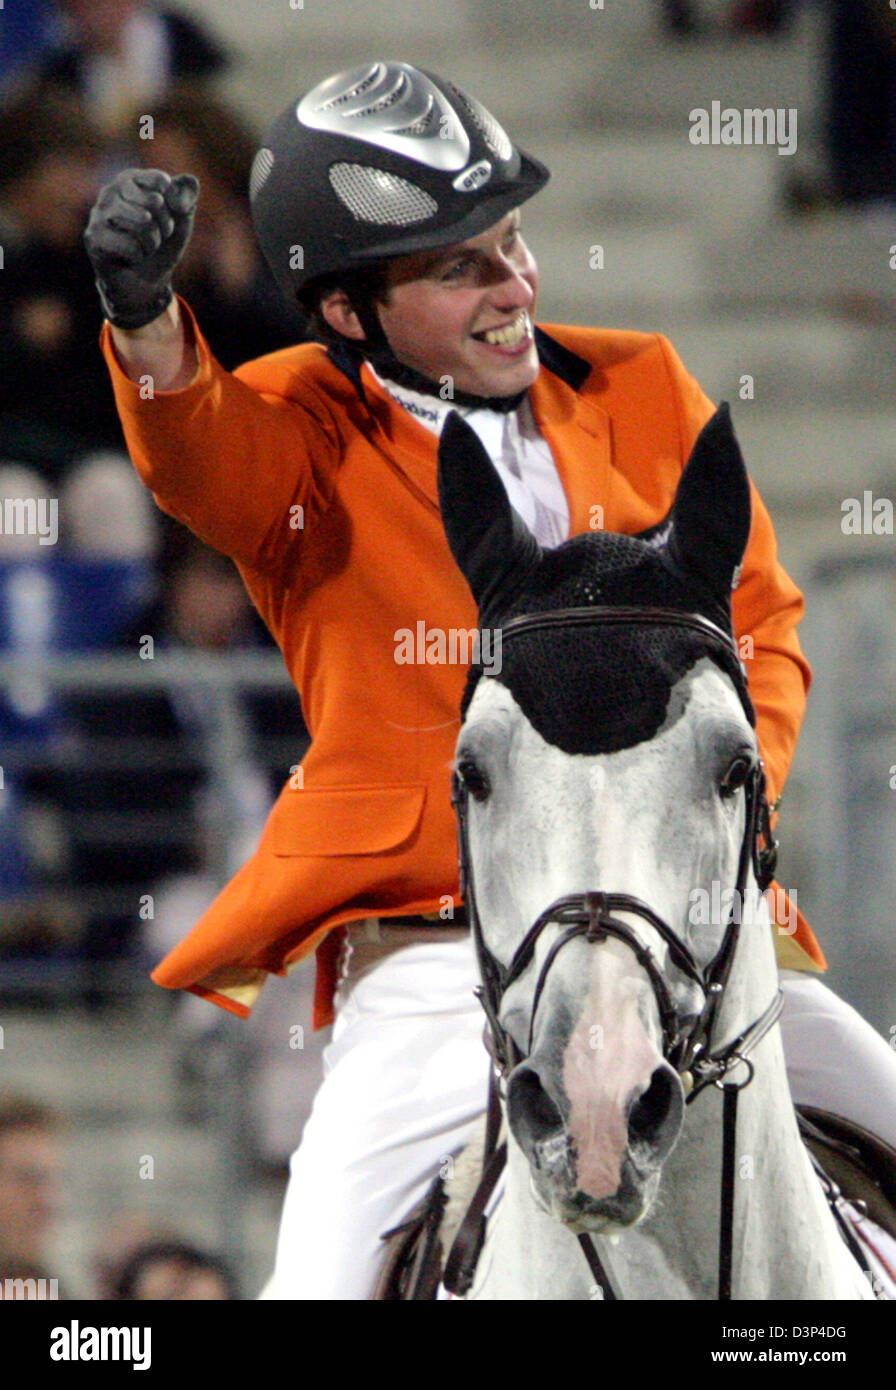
381	160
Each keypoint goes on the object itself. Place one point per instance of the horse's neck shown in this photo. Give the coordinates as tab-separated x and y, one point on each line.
785	1244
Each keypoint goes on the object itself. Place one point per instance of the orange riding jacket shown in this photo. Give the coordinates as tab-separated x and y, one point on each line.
323	491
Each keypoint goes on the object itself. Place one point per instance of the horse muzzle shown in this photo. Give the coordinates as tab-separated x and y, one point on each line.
595	1155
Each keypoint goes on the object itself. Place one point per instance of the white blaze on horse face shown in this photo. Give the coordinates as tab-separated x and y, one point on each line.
606	1065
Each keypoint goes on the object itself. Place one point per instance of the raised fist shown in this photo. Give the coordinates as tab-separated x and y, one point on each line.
138	230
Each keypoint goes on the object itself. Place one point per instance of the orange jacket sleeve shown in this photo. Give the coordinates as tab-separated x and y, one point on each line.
766	608
288	452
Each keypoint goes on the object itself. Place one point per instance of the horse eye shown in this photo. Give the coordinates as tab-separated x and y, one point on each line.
473	778
736	776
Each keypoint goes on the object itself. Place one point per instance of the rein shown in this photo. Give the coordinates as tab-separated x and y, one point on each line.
687	1044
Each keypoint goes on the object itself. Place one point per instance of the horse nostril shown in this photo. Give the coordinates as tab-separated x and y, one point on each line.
656	1114
531	1114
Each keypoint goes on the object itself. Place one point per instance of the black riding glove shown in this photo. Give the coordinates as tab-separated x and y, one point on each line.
138	230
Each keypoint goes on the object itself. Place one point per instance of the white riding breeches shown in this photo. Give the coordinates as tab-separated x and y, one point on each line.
404	1085
835	1060
405	1081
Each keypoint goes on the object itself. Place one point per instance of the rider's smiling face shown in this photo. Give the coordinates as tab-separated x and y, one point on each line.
439	304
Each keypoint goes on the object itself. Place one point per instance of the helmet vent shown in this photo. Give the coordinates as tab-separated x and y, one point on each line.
425	126
399	92
375	75
492	133
260	172
373	195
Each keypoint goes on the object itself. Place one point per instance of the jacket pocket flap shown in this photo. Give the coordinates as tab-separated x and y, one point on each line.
344	820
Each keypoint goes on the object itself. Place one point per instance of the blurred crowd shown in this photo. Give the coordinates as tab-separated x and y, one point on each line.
114	836
106	791
858	79
132	1259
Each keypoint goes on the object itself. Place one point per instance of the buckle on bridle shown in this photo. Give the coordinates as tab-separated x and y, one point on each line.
595	931
735	1060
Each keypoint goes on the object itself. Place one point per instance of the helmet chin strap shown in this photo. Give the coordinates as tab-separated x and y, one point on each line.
376	348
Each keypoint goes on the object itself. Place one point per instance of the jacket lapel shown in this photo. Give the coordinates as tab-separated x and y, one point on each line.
577	431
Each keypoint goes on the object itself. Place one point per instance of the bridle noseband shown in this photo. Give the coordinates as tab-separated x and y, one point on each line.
687	1045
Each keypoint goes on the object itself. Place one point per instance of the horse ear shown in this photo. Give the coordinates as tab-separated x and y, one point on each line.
711	513
488	538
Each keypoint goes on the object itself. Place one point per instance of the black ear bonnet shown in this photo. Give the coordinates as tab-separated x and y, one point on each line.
598	689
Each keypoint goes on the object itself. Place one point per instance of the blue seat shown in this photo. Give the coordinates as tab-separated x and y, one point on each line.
63	603
15	876
67	603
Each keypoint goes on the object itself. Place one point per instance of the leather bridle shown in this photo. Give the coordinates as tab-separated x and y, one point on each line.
687	1043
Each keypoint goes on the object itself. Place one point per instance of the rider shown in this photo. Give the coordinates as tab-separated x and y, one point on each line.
387	204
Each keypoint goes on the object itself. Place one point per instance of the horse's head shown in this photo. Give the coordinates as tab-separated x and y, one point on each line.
603	753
